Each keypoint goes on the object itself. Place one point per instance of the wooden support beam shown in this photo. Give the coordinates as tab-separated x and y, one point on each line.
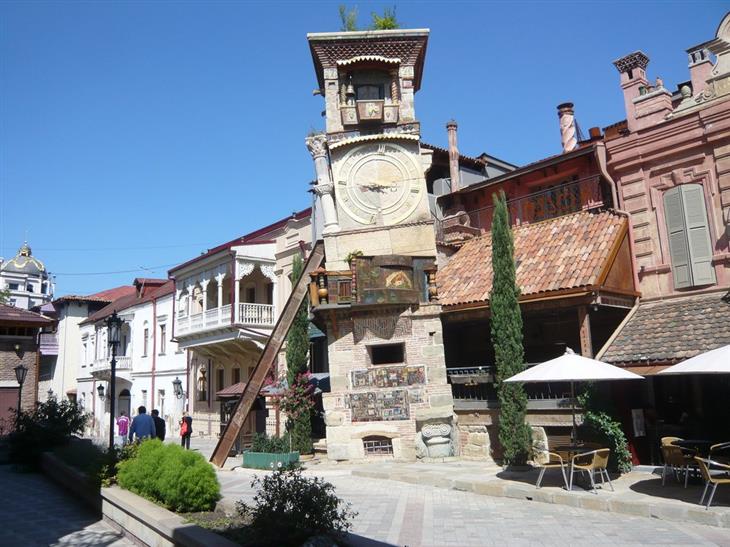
584	322
269	354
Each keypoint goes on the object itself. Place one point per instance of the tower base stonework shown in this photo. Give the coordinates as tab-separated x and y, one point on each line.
376	408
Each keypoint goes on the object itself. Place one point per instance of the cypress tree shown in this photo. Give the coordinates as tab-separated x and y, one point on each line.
299	423
297	341
506	330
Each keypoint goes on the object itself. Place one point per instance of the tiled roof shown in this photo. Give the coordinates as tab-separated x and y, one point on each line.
129	300
108	295
567	252
19	316
253	238
672	330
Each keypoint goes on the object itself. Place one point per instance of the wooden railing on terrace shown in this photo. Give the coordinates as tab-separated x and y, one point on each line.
560	200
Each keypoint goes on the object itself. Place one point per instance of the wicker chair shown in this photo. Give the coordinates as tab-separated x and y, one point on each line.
555	461
706	467
670	440
720	452
677	458
590	462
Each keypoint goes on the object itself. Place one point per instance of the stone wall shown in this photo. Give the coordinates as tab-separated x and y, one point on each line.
28	357
395	404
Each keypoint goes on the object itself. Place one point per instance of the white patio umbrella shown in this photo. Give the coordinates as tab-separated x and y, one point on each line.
572	368
716	361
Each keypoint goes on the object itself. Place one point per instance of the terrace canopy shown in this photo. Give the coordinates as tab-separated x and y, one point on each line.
572	368
716	361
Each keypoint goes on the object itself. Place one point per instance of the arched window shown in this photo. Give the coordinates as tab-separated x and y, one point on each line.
690	246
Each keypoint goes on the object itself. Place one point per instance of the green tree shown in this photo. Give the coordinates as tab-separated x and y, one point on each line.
297	341
348	18
4	295
387	21
299	422
506	329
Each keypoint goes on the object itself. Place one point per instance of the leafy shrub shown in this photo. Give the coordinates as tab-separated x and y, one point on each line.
51	424
290	508
273	445
178	479
599	426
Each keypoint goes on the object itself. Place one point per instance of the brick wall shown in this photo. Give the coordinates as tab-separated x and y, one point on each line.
27	356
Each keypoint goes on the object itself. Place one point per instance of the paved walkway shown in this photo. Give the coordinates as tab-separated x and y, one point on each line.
413	515
36	512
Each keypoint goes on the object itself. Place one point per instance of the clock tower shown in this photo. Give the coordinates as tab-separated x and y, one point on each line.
376	298
370	179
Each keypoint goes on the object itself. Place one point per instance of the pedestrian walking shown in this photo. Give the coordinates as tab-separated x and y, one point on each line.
186	429
123	426
159	424
142	425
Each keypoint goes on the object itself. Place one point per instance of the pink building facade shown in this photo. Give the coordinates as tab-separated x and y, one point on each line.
671	163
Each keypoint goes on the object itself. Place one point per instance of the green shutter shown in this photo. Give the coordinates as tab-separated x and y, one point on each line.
698	234
678	246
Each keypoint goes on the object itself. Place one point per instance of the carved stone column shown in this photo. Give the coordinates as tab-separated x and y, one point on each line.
204	286
324	189
219	280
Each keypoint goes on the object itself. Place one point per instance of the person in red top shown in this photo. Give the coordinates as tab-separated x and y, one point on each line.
123	425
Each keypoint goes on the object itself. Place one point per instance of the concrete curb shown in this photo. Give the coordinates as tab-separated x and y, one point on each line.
507	489
149	524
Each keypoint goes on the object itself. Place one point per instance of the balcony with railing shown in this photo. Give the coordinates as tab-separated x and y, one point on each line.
101	369
256	315
562	199
473	388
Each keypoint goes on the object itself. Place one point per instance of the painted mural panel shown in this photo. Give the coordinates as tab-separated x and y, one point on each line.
389	377
379	406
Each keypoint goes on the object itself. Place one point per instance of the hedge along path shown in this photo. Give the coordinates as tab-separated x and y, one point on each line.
271	350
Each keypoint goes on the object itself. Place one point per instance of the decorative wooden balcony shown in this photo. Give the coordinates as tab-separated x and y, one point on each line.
557	201
376	280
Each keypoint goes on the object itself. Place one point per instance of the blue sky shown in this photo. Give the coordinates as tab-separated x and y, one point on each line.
134	135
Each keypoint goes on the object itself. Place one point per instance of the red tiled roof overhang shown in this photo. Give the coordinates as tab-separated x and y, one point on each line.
565	253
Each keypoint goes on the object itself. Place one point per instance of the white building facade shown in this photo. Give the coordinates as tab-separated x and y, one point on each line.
147	364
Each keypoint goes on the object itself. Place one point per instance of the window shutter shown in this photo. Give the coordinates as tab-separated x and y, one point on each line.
698	235
678	247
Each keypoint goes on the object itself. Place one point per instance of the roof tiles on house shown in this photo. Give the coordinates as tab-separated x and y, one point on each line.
567	252
129	300
19	316
669	331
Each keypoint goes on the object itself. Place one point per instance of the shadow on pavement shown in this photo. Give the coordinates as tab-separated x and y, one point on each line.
354	540
676	491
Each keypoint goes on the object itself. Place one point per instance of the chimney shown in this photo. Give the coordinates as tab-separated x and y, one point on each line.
700	67
645	104
453	156
567	126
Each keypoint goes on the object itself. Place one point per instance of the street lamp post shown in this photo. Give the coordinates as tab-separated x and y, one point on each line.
114	333
20	373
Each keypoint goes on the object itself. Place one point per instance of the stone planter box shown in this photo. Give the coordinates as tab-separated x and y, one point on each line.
146	523
269	460
72	480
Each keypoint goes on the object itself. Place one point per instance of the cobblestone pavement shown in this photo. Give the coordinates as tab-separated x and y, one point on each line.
393	513
36	512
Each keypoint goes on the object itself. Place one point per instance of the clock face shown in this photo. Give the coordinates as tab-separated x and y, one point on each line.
378	183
